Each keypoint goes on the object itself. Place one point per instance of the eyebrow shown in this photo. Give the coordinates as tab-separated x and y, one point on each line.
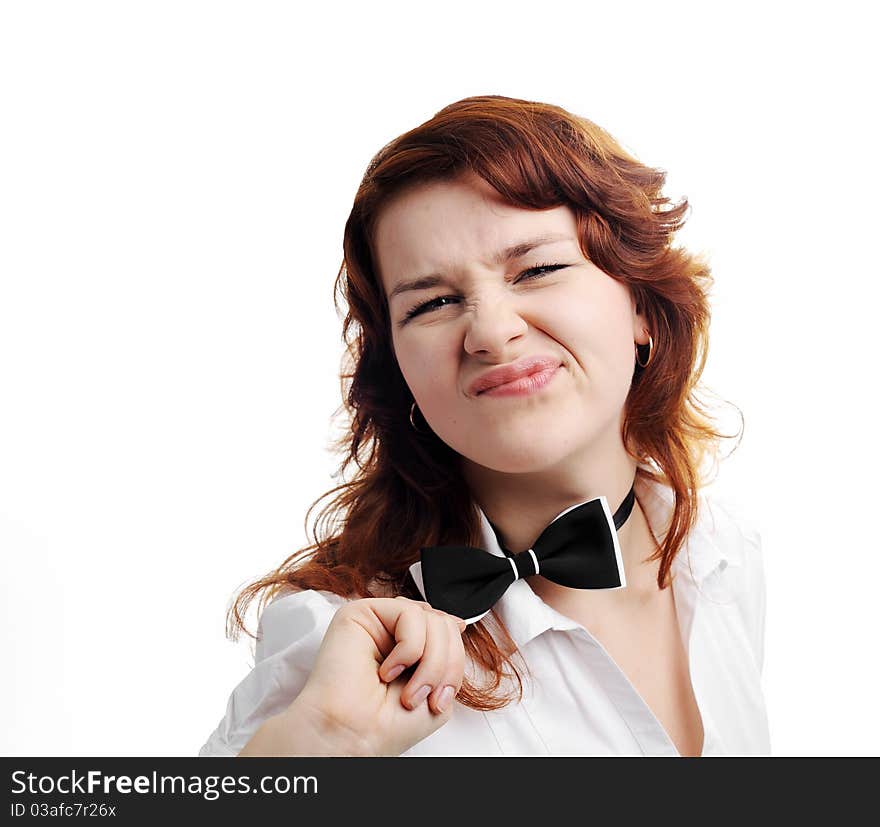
515	251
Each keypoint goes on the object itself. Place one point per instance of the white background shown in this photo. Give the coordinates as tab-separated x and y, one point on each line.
174	180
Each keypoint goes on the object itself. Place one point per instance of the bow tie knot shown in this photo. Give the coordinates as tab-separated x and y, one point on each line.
525	564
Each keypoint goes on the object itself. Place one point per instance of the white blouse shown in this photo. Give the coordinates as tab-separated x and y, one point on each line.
577	700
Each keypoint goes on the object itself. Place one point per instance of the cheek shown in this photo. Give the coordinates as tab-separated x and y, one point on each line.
583	327
428	367
596	334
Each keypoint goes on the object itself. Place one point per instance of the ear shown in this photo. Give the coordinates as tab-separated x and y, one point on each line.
641	327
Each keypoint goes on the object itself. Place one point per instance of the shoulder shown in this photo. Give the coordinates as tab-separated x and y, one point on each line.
295	616
723	530
733	529
731	514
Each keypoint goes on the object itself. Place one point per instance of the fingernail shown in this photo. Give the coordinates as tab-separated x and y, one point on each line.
395	672
445	698
421	695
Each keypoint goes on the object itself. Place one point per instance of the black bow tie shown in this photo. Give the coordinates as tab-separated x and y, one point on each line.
578	549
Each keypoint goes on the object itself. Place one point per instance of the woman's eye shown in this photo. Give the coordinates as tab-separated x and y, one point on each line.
543	269
424	306
532	272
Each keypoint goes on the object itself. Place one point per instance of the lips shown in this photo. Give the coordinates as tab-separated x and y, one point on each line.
510	373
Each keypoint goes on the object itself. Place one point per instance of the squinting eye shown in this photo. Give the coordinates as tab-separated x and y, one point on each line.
543	269
533	272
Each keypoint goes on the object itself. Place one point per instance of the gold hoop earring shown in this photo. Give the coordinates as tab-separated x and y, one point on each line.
412	411
650	352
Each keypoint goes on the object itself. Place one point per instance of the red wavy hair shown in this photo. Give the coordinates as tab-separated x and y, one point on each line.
406	490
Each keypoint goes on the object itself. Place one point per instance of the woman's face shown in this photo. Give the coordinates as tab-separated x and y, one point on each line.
482	312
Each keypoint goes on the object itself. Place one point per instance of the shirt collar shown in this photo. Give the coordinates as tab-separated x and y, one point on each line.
525	615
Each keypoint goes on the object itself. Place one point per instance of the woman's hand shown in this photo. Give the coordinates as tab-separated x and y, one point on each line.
360	694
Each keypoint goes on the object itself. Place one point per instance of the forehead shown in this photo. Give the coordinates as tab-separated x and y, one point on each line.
446	225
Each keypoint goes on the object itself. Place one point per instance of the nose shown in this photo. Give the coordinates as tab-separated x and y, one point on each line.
491	323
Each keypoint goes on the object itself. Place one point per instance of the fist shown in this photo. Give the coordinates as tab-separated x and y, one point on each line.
386	674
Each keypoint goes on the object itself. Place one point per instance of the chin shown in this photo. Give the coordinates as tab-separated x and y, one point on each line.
526	457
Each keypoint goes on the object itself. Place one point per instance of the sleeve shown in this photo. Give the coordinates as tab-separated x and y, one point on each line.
756	596
753	597
289	636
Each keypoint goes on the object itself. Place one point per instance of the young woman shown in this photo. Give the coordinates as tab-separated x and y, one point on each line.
525	562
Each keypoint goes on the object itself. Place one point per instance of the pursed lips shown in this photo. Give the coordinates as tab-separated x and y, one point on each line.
519	369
